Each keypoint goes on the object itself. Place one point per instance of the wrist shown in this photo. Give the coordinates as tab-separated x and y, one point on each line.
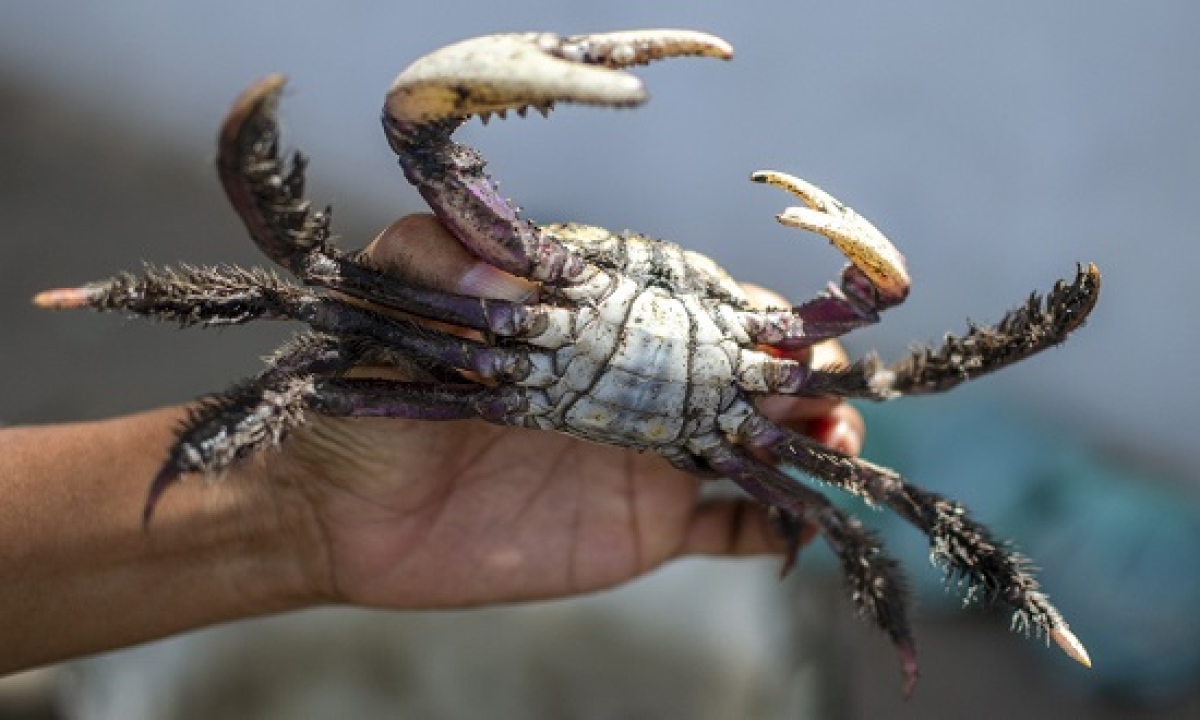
85	576
251	531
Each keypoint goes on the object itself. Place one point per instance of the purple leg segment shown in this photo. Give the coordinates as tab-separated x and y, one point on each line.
371	397
1039	324
964	547
854	304
452	180
874	580
267	192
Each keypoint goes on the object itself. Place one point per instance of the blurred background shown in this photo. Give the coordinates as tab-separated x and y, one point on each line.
996	145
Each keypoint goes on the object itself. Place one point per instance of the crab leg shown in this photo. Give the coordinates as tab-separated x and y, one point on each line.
829	316
873	579
267	192
964	547
439	92
230	296
259	413
1039	324
224	428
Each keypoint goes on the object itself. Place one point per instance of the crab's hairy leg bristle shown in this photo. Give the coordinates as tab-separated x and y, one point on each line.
1039	324
266	190
964	547
224	428
874	580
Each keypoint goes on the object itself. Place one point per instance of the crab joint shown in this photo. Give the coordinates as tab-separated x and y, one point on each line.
861	242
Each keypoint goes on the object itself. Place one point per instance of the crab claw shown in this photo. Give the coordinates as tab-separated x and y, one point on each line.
860	241
497	73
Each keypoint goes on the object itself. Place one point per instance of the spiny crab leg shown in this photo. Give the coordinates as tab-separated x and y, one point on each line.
861	242
430	99
963	547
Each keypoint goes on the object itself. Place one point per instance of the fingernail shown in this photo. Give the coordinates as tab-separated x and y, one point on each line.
483	280
835	433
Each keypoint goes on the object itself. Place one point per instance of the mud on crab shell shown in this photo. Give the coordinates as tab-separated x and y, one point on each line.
633	341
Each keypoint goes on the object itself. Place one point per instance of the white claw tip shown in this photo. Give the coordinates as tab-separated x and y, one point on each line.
1065	639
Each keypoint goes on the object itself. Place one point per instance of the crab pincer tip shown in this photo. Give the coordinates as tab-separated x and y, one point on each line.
66	298
1065	639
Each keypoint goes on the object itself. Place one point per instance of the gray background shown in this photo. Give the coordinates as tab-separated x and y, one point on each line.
996	145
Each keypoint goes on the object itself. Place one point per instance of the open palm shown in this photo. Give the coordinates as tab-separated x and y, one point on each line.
457	513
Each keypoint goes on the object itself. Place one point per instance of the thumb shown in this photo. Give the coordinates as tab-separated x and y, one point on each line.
419	248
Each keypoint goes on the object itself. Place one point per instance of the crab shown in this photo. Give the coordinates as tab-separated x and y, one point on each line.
630	341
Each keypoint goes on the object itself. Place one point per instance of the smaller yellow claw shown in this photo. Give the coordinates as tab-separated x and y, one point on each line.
860	241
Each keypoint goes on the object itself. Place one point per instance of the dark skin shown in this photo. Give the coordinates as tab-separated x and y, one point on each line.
377	513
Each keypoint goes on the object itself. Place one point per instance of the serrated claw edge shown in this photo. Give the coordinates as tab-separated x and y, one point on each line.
504	72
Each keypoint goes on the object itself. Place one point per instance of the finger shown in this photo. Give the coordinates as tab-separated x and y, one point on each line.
735	527
418	247
828	353
834	423
830	421
762	298
842	429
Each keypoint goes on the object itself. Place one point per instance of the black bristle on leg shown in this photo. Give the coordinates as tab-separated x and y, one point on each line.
221	429
991	570
265	189
1039	324
189	295
965	548
875	583
257	413
1035	326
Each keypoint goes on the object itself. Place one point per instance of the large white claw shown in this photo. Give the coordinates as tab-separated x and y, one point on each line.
860	241
502	72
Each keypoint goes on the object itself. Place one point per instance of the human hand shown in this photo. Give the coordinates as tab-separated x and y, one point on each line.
425	514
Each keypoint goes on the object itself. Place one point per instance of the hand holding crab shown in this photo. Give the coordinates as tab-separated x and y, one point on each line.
628	341
489	514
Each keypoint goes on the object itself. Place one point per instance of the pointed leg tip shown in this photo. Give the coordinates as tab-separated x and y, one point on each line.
65	298
166	477
1066	640
256	100
908	666
789	560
